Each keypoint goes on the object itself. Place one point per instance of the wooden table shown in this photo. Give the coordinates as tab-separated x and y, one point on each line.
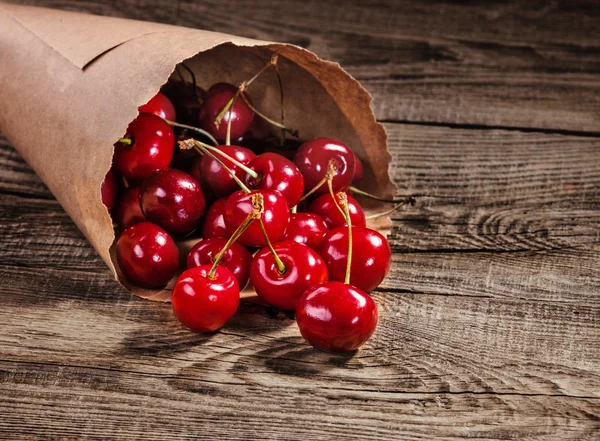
490	317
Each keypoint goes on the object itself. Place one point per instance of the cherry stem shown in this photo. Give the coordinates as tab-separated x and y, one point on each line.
329	175
294	209
409	200
280	82
195	129
335	202
222	113
126	141
372	196
228	134
344	201
281	269
191	72
234	161
292	132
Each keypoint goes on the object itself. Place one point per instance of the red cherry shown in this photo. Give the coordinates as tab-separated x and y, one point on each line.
172	199
276	172
336	317
275	217
108	190
325	207
236	259
358	171
215	101
159	105
147	255
151	150
129	211
304	268
205	304
215	177
313	158
371	258
214	221
305	228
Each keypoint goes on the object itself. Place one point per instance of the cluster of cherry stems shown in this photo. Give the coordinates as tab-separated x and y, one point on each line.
305	261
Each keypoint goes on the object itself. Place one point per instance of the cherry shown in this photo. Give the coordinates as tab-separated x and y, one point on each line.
303	269
325	207
336	317
217	97
315	157
276	172
147	255
159	105
214	221
108	190
172	199
204	302
129	211
275	216
358	171
370	264
149	147
236	258
305	228
216	178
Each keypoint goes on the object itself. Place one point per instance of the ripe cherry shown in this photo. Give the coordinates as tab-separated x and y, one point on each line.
174	200
215	177
305	228
109	190
160	106
236	259
370	263
325	207
129	211
214	221
276	172
358	171
147	255
149	147
336	317
303	269
275	217
217	97
204	302
315	157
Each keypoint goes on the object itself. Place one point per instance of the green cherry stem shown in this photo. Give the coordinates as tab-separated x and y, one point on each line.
344	202
292	132
126	141
234	161
409	200
328	176
195	129
371	196
228	133
281	269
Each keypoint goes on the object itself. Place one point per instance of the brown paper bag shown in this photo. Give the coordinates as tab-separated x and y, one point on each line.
70	84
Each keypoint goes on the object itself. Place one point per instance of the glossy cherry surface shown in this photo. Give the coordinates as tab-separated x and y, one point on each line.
147	255
109	190
371	256
151	150
236	259
203	304
327	210
215	101
174	200
275	217
304	268
358	171
336	317
215	177
129	211
159	105
313	158
306	228
214	221
276	172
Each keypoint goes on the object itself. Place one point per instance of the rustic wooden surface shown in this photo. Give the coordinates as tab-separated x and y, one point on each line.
490	318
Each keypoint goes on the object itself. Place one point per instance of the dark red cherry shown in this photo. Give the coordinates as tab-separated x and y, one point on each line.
109	190
174	200
336	317
358	171
147	255
215	177
152	147
214	221
159	105
215	101
236	259
276	172
275	217
303	269
313	159
305	228
205	304
371	256
129	211
327	210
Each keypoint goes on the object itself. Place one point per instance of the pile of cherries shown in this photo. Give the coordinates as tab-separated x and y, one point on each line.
287	226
